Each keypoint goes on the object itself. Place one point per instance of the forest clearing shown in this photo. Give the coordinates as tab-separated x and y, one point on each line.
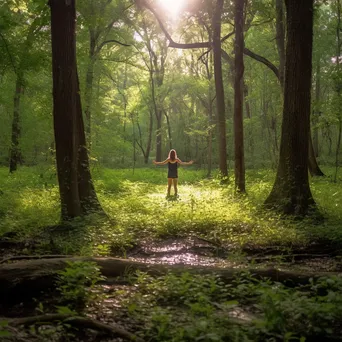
170	170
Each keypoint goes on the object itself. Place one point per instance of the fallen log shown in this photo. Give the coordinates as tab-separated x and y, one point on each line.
32	257
26	278
77	321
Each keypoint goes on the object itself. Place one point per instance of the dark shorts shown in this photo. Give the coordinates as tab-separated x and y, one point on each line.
172	176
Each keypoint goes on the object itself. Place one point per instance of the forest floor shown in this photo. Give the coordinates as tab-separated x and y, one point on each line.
208	226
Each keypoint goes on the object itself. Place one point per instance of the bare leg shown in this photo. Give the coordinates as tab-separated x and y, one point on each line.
175	183
169	183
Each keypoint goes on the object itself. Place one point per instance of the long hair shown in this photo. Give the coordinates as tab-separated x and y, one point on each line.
172	155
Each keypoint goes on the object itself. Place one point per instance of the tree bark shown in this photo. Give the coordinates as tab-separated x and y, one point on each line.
280	38
63	19
291	192
220	106
87	194
15	154
314	168
238	98
76	188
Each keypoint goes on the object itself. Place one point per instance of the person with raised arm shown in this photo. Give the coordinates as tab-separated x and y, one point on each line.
172	177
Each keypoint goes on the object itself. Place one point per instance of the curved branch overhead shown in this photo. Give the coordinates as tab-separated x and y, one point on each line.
208	45
110	41
262	60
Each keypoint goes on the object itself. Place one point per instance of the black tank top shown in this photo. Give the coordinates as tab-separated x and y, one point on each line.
173	170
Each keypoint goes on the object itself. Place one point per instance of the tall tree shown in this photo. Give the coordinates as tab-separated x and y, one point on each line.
291	192
75	184
279	72
338	84
238	98
215	45
220	106
21	66
100	19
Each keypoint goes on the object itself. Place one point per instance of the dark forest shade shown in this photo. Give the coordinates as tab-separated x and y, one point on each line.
291	191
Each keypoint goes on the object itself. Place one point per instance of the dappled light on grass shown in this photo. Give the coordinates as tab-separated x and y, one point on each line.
139	211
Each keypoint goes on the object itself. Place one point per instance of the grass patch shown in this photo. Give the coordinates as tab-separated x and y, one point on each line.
136	203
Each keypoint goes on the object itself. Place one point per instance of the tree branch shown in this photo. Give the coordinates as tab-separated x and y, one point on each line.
80	322
107	42
262	60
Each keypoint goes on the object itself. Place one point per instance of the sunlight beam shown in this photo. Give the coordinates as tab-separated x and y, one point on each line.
173	7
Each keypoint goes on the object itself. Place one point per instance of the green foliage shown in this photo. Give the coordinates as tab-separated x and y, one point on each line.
136	205
76	282
4	332
190	307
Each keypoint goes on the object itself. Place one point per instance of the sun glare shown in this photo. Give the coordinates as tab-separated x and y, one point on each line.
172	6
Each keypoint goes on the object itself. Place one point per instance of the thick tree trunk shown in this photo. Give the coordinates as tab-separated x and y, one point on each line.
220	106
238	99
63	19
291	192
15	154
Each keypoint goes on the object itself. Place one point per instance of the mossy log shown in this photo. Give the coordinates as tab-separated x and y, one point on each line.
26	278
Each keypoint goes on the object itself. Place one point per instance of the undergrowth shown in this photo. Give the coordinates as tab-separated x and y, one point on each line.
192	307
138	210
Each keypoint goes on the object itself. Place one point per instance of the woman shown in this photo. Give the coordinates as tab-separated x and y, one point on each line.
172	176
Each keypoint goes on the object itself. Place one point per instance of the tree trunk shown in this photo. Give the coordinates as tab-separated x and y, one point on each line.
220	106
159	138
63	20
291	192
314	168
339	86
280	38
87	194
238	98
317	110
168	129
15	154
149	141
210	135
89	99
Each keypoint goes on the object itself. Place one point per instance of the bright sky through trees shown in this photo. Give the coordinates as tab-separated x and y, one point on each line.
172	6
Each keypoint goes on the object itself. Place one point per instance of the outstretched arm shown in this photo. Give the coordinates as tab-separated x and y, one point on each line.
161	163
185	163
